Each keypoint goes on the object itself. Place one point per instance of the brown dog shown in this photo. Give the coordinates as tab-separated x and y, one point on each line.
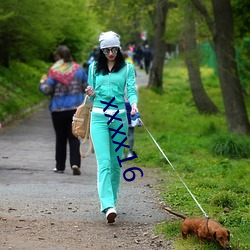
204	229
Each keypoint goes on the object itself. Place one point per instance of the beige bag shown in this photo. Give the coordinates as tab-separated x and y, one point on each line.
81	126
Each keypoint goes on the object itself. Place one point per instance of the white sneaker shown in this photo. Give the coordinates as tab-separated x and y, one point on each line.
111	214
58	171
76	170
129	154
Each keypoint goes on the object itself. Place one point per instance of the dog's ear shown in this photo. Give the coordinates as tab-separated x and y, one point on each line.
228	237
214	235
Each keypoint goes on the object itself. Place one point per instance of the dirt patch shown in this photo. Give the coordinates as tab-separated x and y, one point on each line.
50	234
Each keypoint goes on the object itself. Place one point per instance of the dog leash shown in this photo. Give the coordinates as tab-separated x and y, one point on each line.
174	170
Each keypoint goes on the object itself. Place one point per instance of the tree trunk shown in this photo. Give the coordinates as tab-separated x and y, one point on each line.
235	109
159	47
223	38
201	99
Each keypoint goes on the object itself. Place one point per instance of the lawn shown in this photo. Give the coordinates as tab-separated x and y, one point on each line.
200	152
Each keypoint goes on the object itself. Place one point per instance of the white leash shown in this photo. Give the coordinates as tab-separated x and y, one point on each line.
174	170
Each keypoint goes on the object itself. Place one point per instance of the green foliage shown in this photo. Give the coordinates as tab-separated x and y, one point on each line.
224	200
219	183
19	87
175	25
175	28
231	146
29	33
243	59
128	18
241	17
170	230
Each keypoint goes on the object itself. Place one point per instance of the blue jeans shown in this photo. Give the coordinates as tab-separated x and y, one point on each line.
108	168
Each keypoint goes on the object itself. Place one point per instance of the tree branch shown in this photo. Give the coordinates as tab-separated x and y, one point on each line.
202	9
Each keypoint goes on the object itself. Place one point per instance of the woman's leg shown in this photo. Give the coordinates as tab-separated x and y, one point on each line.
74	144
108	176
60	127
115	167
101	142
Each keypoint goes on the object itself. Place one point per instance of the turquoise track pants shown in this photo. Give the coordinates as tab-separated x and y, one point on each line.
108	168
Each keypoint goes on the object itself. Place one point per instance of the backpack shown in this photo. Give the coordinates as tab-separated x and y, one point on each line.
81	126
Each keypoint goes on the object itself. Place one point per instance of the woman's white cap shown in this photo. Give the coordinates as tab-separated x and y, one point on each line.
109	39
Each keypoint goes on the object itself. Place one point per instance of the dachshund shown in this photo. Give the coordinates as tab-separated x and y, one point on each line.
204	229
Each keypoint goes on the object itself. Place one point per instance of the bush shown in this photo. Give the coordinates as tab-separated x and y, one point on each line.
19	88
231	146
223	200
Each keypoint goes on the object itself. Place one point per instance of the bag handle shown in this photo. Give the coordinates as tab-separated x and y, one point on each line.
85	99
90	149
87	137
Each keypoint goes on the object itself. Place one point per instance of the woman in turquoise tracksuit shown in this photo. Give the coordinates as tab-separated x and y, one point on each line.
108	77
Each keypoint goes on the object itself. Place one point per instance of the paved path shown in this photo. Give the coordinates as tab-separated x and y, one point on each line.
141	78
26	163
30	190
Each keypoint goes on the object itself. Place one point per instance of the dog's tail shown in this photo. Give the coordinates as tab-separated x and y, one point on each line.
175	213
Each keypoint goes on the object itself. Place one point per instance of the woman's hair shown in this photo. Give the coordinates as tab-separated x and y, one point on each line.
63	52
102	67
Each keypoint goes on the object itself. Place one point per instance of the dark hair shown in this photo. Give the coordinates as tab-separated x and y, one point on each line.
102	67
64	53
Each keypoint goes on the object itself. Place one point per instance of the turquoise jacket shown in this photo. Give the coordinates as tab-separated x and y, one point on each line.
114	84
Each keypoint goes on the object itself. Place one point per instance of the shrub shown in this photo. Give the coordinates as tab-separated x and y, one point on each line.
231	146
223	200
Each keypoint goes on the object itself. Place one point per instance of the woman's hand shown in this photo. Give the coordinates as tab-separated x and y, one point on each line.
90	91
134	109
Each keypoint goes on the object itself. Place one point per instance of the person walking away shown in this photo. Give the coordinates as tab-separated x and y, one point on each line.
139	56
108	78
147	54
65	84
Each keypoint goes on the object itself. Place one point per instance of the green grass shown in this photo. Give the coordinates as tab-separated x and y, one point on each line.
19	88
214	164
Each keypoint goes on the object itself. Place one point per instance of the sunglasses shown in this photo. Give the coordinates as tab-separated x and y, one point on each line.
106	51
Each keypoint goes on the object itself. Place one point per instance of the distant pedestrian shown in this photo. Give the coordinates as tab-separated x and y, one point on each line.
147	55
138	56
93	55
65	84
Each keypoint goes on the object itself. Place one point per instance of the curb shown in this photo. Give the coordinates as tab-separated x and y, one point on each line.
22	114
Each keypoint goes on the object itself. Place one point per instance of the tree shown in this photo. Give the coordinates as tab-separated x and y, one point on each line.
223	38
201	99
159	46
127	17
28	33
